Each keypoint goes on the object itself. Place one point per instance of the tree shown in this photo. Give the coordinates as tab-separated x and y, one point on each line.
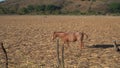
40	7
52	8
91	3
30	8
23	11
1	10
114	7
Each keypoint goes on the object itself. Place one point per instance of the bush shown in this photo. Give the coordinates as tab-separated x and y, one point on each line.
23	11
1	10
75	12
30	8
51	9
114	7
40	8
6	10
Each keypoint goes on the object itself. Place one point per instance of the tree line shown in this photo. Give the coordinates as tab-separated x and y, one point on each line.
30	9
52	9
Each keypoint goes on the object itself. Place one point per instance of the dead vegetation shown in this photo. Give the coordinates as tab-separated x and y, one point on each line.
27	40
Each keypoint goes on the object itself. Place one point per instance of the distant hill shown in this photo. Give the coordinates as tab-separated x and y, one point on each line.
68	5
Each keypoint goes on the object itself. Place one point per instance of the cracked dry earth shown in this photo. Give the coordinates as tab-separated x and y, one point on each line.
27	40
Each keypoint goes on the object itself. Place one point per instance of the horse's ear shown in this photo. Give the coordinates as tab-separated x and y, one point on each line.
54	32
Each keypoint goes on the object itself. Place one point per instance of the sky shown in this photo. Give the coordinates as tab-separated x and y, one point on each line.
1	0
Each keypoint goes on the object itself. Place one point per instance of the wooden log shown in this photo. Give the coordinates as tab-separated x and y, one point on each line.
116	46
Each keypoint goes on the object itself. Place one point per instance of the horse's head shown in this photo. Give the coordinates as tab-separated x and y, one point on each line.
58	34
54	36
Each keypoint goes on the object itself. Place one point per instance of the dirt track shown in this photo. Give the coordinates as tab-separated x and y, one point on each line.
27	40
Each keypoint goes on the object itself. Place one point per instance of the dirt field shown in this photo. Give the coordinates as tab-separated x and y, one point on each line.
27	40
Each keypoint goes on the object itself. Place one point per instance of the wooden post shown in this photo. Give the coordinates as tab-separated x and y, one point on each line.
63	57
60	62
58	58
6	57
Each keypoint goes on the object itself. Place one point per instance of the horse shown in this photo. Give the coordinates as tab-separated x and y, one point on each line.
67	37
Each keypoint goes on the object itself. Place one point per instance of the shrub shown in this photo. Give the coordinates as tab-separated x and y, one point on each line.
75	12
114	7
1	10
6	10
30	8
40	8
50	9
23	11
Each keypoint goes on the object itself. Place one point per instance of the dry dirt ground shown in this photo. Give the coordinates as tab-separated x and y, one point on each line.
27	40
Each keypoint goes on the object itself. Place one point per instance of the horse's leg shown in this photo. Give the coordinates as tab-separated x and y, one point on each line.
67	43
68	46
81	44
81	41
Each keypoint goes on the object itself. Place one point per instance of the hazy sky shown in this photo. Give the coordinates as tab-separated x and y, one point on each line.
1	0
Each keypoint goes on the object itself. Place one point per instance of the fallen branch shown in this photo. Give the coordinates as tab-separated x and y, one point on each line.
6	57
116	46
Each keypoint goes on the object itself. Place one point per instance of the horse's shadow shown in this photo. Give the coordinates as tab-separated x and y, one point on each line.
104	46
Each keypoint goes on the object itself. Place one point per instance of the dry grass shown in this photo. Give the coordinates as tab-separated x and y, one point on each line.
27	40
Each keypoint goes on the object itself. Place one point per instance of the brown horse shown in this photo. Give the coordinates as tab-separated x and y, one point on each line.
70	37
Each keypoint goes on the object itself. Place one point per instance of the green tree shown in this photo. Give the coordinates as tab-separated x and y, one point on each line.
114	7
1	10
52	8
30	8
40	8
23	11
